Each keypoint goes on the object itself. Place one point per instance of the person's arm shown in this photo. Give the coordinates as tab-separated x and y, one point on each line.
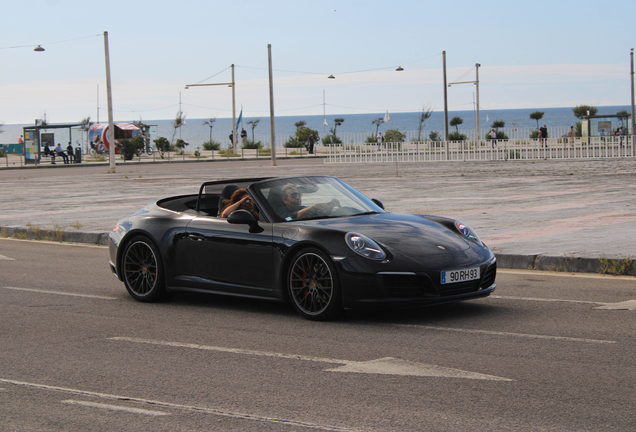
233	207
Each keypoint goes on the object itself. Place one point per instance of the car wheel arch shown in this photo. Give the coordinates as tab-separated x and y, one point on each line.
291	253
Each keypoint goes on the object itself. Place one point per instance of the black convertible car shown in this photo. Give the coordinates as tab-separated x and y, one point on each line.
313	241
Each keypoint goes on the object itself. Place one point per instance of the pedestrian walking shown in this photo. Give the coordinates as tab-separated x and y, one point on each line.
571	135
311	141
243	136
544	135
493	138
380	139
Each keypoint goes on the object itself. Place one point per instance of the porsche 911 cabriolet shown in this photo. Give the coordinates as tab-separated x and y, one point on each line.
312	241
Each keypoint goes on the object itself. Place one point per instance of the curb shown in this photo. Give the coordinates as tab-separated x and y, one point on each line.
559	263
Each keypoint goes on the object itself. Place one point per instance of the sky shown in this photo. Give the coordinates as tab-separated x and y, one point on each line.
542	54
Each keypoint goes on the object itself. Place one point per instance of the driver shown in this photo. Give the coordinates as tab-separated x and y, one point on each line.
295	210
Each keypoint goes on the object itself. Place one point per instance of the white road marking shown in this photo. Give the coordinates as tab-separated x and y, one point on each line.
546	300
115	408
193	408
6	258
626	305
499	333
61	293
385	366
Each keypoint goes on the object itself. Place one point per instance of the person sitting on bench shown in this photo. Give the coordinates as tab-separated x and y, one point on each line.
60	152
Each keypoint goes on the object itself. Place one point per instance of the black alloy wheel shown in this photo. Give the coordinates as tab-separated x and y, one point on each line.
313	287
142	271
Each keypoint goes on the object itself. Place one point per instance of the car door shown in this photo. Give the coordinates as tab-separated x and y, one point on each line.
227	257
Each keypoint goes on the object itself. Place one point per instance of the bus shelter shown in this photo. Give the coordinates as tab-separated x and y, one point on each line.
36	137
605	125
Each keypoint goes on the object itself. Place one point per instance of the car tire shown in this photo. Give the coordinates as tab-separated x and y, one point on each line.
313	285
142	270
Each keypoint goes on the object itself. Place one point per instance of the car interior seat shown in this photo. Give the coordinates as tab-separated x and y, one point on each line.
226	194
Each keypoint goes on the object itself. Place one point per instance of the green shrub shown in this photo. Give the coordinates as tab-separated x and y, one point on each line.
251	145
456	136
534	134
394	136
130	147
2	153
211	145
331	139
162	145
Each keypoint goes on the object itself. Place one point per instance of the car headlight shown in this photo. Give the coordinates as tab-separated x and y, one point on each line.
468	232
364	246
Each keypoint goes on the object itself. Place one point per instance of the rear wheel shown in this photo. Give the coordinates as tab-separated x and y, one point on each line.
143	271
313	286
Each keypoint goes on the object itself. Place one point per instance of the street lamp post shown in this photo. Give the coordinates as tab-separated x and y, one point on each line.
111	125
230	84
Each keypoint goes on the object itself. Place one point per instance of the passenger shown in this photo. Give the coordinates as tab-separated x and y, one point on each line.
295	210
48	152
239	200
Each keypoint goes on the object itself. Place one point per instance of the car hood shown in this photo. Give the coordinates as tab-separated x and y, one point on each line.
409	234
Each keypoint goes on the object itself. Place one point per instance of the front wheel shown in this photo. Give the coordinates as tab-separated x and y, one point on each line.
149	151
313	286
142	270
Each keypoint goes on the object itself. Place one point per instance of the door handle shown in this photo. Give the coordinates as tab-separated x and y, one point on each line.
196	237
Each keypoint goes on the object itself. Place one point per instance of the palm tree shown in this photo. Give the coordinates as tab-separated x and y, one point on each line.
177	123
253	124
537	115
210	124
425	115
377	122
85	127
456	121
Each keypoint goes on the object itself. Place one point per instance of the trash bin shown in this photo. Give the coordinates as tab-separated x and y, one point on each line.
78	155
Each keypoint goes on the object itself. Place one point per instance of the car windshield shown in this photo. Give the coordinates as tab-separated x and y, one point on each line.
313	197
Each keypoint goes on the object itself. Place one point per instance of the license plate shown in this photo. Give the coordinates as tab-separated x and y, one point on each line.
454	276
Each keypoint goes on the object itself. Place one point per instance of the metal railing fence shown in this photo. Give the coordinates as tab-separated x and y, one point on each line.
483	150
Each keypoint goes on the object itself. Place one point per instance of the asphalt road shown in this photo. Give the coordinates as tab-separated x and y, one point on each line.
547	352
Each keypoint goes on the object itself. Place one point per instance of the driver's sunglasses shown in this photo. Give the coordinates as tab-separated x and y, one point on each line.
294	195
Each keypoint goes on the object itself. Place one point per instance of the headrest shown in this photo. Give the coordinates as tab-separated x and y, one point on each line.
228	190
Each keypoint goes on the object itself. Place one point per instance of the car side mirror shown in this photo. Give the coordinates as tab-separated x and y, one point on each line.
378	203
243	217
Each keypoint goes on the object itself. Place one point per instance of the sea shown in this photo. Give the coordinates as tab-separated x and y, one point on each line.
354	128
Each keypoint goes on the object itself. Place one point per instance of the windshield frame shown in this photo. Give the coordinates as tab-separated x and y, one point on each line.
268	193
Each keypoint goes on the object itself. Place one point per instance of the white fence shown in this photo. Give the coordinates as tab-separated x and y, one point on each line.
519	149
361	137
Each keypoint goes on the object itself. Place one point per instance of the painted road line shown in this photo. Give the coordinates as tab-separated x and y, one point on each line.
115	407
498	333
61	293
191	408
546	300
383	366
626	305
5	258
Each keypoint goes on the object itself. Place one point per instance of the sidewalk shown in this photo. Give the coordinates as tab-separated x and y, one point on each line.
560	215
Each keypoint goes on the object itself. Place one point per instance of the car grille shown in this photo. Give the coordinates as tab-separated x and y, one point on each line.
489	276
407	286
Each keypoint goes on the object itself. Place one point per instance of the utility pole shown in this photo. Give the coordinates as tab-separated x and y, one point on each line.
109	97
633	120
477	65
271	105
234	135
